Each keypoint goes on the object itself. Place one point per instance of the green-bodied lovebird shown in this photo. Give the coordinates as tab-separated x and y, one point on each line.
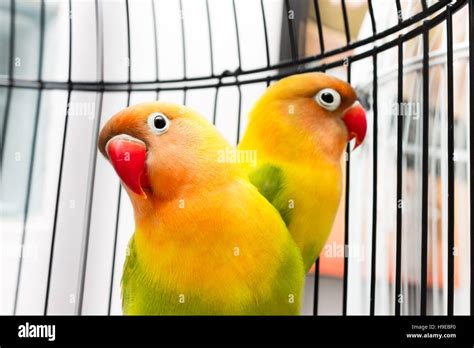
205	241
299	129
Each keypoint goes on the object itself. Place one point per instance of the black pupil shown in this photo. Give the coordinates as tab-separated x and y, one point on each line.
327	97
160	122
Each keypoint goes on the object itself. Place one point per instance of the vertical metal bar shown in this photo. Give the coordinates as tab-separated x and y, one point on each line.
264	21
316	288
117	219
450	88
346	215
267	51
398	260
346	21
129	43
6	115
209	32
239	112
373	261
11	54
424	171
155	37
319	25
471	142
291	32
63	148
237	35
92	172
372	17
32	150
89	200
211	53
424	6
214	113
412	295
183	38
183	48
119	199
399	11
239	69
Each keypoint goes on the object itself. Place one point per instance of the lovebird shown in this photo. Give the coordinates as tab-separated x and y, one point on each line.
298	131
206	242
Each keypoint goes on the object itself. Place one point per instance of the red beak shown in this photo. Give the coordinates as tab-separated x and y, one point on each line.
128	156
356	123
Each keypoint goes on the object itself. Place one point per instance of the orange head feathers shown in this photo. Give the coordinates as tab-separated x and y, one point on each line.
162	150
313	106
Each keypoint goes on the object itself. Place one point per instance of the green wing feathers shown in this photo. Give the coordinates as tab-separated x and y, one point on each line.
270	182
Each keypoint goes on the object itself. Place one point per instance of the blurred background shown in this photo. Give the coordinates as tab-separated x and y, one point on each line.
66	67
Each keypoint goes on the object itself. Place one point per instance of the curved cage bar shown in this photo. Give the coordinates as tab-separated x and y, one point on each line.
402	241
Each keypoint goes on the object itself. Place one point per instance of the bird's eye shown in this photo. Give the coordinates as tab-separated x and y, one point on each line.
328	99
158	122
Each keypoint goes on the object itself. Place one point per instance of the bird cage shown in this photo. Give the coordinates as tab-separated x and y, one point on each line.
402	240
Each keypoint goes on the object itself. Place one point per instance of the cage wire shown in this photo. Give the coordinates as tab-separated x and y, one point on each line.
407	205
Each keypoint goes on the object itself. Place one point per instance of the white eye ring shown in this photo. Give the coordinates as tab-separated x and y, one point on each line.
323	98
158	122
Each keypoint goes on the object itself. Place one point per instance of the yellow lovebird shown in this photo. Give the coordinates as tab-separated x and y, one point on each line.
206	241
299	129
